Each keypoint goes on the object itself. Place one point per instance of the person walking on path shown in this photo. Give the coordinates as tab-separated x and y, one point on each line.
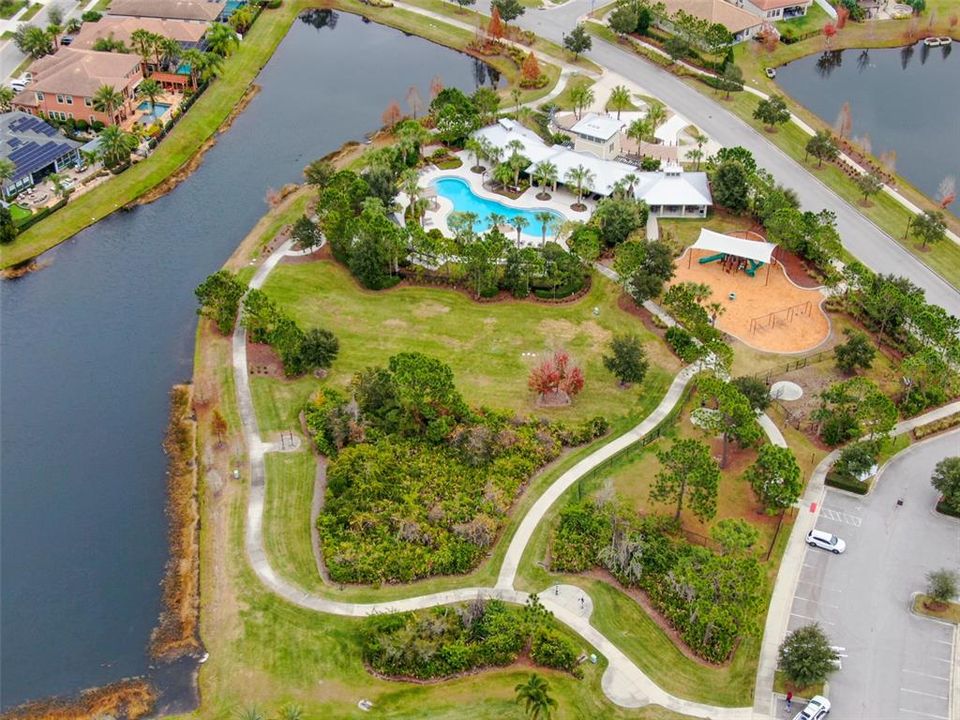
789	701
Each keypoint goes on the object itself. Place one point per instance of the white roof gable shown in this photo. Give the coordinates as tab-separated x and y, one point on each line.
598	126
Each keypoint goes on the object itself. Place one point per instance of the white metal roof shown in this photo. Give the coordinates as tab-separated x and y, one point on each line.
599	126
750	249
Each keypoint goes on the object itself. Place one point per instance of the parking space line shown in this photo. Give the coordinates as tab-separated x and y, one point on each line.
918	692
917	672
945	642
818	602
807	617
917	712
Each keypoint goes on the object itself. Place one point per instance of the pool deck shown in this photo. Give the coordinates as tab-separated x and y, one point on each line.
559	201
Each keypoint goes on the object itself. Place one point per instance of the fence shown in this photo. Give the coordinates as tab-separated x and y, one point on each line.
798	364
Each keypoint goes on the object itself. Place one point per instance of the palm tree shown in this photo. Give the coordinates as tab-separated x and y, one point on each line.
170	51
631	180
250	713
619	99
700	139
73	25
515	94
221	39
53	32
151	90
143	42
638	130
697	155
545	218
656	114
194	59
241	19
503	174
108	100
534	694
496	219
581	178
519	222
57	180
410	184
475	146
115	145
581	96
545	173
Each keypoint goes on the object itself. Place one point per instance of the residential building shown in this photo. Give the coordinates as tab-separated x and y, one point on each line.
774	10
202	11
63	85
599	135
669	193
35	148
188	34
741	23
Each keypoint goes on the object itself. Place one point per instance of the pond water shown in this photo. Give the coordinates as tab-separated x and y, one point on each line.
904	99
92	344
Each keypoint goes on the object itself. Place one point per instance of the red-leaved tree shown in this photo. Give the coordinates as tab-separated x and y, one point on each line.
829	31
530	70
495	28
556	378
392	115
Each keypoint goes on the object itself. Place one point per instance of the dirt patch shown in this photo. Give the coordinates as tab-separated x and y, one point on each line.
562	330
262	360
429	309
395	324
129	699
796	269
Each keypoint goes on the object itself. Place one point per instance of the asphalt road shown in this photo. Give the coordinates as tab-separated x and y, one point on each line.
895	665
860	236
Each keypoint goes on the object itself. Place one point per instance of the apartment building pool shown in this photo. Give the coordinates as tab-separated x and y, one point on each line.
459	192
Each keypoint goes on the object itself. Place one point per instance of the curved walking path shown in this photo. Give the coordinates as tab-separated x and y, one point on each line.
624	683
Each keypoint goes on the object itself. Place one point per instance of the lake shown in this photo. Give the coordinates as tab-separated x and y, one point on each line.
904	99
92	343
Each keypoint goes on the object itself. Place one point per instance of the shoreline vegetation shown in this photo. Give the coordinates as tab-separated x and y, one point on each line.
176	632
132	698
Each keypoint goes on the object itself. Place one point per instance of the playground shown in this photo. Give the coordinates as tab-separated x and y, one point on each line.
762	307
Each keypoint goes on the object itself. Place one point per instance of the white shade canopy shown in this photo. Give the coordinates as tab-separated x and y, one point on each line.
750	249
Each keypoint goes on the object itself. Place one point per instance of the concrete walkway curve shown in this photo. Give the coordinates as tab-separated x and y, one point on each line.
623	682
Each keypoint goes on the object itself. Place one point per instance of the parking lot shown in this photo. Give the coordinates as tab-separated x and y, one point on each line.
895	664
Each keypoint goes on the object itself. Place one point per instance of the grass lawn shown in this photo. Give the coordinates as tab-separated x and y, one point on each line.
814	20
31	12
483	343
19	213
11	8
213	108
681	234
780	685
563	100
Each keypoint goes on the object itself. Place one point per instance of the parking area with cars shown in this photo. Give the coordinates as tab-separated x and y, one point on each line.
894	665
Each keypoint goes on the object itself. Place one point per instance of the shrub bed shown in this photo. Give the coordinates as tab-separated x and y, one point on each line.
937	426
445	641
420	484
844	482
710	600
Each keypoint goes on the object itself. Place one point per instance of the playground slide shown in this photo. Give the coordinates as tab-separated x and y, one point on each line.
754	266
711	258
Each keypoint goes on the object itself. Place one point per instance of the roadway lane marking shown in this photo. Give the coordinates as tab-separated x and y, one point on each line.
917	672
917	692
823	588
917	712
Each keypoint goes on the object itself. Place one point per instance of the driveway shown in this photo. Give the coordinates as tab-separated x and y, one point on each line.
895	665
860	236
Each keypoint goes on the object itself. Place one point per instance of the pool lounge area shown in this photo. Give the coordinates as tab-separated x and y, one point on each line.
461	190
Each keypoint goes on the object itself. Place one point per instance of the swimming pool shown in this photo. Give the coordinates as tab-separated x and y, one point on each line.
459	193
149	118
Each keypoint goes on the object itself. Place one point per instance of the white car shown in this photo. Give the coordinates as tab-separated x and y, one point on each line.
816	709
821	539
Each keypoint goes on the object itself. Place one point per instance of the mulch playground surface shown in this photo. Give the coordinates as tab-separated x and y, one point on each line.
768	311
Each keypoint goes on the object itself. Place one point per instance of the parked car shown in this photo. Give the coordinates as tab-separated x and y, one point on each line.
66	39
816	709
18	86
826	541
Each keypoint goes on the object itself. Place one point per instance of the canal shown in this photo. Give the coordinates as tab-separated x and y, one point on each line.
92	343
903	99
